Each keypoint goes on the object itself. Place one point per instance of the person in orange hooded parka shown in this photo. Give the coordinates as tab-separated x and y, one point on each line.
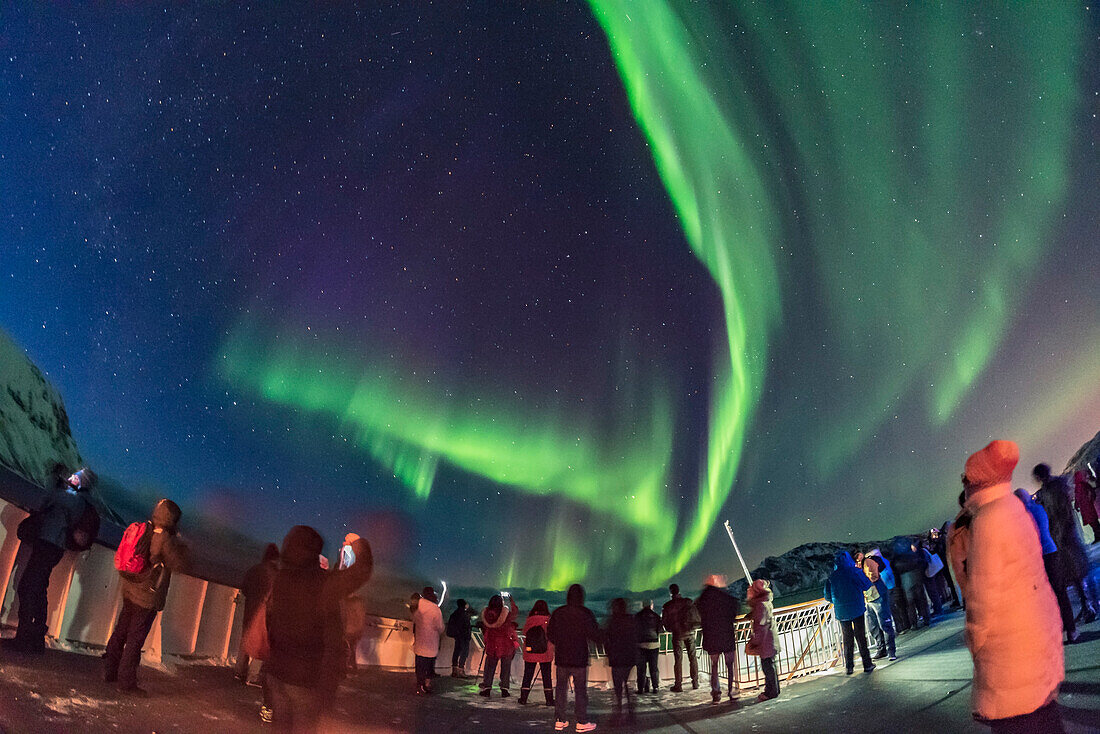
1012	625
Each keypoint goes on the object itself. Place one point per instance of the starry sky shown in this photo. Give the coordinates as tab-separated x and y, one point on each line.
535	294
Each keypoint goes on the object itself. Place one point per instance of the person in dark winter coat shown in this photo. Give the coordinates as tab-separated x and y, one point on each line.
844	590
680	618
1051	563
718	611
649	647
58	515
622	655
533	655
762	642
498	626
570	629
255	586
305	629
143	595
460	630
1054	495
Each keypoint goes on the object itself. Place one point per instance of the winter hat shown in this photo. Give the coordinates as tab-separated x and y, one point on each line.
301	547
350	538
992	465
716	580
759	588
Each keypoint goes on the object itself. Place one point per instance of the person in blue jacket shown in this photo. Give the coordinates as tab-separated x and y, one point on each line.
844	590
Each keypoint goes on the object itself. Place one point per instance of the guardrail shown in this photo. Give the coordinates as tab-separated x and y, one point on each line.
202	620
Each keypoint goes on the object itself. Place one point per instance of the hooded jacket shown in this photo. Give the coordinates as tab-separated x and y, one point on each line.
303	617
60	512
571	628
1013	627
763	622
650	628
718	610
622	640
845	588
167	554
538	620
499	630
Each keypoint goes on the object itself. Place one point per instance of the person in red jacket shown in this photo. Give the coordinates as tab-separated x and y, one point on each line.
537	650
498	627
1084	495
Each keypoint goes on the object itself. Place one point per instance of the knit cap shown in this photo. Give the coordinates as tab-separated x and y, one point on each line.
992	465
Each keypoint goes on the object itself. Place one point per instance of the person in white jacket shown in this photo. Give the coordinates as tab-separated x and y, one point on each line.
427	629
1012	625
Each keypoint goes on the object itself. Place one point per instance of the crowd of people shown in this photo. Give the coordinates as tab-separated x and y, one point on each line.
1010	558
631	640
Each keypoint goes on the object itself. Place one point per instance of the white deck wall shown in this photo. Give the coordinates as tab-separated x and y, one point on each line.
202	619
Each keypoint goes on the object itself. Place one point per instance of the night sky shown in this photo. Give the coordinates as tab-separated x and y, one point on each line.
534	295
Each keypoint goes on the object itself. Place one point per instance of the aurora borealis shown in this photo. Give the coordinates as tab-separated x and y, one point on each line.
543	294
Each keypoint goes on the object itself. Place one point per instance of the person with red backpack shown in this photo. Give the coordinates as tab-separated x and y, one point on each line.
537	651
146	558
66	521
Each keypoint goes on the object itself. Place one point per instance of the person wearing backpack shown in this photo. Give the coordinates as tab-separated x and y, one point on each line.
460	630
149	554
537	650
680	617
50	532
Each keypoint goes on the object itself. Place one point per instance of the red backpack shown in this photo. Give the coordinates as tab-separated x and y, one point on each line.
132	556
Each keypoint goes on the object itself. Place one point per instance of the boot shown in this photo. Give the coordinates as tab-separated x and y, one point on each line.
456	672
549	696
523	694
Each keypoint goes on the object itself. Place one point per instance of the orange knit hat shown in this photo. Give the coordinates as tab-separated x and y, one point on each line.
992	465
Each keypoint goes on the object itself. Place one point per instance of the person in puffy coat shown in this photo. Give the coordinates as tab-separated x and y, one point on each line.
1084	499
1012	624
305	629
718	612
427	629
538	618
498	628
762	641
844	590
143	595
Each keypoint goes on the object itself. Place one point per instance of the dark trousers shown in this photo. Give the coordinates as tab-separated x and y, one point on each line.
647	658
715	684
423	667
490	671
124	648
1046	720
461	652
529	677
850	628
580	690
678	647
294	708
620	679
771	678
1053	565
33	592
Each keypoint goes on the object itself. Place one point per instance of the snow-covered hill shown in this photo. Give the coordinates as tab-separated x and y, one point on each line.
34	428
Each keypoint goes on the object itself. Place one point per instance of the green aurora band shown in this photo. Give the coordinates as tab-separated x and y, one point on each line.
852	147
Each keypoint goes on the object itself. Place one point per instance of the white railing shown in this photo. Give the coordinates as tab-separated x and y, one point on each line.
202	620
